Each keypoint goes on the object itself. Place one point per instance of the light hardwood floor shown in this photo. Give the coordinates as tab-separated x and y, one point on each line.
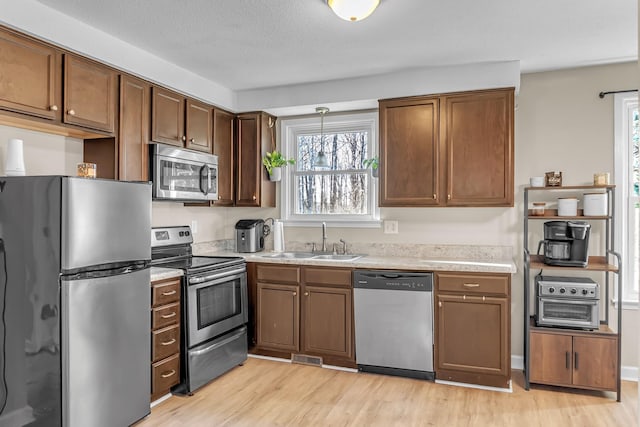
270	393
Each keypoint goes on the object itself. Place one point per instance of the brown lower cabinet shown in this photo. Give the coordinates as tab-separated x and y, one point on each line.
574	359
472	328
304	309
165	336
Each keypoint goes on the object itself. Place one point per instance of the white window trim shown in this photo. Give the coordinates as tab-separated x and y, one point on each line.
289	128
623	102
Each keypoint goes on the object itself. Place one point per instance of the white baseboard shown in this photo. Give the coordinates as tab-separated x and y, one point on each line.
627	373
18	417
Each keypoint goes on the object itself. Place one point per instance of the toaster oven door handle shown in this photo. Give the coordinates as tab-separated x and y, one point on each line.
227	274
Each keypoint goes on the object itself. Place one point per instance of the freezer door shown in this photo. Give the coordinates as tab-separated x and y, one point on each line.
106	378
104	222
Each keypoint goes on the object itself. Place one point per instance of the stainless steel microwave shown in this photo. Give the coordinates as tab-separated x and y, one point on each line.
183	175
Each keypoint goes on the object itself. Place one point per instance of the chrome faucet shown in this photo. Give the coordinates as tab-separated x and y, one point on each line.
324	237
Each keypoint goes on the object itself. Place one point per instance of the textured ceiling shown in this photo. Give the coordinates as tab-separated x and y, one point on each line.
247	44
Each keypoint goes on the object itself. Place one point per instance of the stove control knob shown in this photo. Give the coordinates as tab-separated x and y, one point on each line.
181	233
186	233
573	291
551	289
584	292
563	290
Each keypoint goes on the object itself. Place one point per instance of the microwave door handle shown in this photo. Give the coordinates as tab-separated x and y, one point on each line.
204	189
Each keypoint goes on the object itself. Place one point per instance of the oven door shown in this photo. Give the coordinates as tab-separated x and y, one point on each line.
571	313
216	303
181	175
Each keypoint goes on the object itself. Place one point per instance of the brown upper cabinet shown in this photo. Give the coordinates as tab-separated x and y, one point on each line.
255	138
224	148
90	93
31	80
133	134
447	150
179	121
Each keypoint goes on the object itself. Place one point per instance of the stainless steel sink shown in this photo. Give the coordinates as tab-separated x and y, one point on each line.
289	255
310	255
338	257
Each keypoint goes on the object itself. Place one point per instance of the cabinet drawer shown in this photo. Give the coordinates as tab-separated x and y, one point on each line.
165	342
165	374
165	292
278	274
165	315
327	276
473	283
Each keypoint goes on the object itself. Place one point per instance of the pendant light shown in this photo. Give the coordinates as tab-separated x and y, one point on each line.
321	159
353	10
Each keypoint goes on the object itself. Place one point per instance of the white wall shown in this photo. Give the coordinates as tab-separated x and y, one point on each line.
44	153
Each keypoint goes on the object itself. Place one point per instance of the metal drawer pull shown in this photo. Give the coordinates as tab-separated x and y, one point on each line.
575	361
471	285
566	359
169	374
171	341
166	294
168	316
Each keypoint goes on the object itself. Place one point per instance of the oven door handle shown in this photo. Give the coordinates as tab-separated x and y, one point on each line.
572	301
227	274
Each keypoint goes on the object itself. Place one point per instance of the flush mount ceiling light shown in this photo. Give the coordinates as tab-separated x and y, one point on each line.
353	10
321	159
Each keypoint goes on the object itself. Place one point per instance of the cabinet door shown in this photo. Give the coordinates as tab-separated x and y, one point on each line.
253	187
278	313
89	94
167	120
223	147
551	360
409	152
31	77
478	133
473	335
327	321
595	362
198	126
133	134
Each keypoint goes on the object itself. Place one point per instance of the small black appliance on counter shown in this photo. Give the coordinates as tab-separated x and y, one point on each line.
565	243
250	235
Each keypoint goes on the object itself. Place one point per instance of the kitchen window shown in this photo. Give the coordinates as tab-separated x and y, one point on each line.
344	193
627	179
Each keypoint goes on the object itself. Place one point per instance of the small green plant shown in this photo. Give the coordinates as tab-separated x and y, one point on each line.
275	160
372	162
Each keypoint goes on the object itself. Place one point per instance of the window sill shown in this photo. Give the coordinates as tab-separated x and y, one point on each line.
334	223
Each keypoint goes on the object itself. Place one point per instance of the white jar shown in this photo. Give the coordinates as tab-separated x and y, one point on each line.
568	206
595	204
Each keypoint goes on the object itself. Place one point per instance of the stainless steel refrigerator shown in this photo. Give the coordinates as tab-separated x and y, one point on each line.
75	301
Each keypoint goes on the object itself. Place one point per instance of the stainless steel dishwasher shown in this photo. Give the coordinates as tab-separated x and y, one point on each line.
394	322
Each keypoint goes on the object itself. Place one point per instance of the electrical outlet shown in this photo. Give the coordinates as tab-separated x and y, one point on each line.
390	227
194	226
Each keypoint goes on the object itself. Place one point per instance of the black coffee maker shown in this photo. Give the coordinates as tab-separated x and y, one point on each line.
565	243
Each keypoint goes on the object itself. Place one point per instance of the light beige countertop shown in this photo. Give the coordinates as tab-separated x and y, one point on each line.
161	273
427	263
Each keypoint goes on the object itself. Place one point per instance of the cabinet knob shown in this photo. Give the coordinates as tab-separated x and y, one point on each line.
254	197
439	303
54	107
295	293
448	196
71	112
219	197
434	196
306	294
192	140
184	138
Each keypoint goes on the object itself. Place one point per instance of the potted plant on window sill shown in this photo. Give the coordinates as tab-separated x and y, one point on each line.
373	163
274	162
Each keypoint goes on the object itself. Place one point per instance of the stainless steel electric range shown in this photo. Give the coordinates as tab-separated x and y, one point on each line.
214	307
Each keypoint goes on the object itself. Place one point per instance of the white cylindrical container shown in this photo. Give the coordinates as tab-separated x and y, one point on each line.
14	165
595	204
278	236
567	206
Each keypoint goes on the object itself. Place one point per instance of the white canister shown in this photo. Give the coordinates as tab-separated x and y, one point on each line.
568	206
14	164
278	236
595	204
